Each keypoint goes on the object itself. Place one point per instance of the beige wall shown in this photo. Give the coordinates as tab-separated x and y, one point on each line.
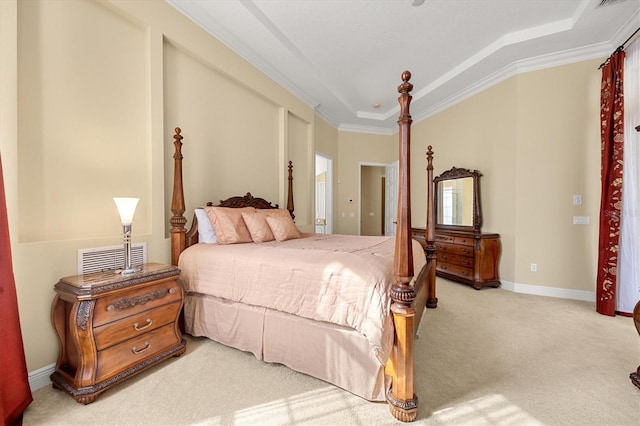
478	134
535	138
91	93
558	155
356	148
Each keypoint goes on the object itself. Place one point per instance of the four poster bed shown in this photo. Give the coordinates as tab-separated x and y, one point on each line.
341	308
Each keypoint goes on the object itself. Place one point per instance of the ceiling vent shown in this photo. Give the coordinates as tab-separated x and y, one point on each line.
109	258
604	3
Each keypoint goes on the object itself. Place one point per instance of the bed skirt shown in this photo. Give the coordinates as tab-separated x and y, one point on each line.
338	355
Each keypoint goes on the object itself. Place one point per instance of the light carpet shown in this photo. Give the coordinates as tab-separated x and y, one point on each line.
489	357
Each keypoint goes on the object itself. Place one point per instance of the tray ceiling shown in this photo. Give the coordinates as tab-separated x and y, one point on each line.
344	58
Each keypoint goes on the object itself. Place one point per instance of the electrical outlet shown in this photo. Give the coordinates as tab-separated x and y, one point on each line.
581	220
534	267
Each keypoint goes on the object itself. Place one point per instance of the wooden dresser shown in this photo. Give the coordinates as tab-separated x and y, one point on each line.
463	257
112	327
468	258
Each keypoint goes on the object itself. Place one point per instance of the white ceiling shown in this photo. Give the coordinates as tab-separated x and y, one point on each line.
343	56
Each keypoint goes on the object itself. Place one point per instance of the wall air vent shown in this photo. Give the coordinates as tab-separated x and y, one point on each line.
604	3
109	258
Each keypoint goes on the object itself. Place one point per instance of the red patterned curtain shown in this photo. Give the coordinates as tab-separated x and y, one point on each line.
612	142
15	394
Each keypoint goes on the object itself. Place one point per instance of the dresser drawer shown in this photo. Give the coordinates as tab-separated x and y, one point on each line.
135	325
465	241
129	353
444	238
125	303
458	270
455	259
454	249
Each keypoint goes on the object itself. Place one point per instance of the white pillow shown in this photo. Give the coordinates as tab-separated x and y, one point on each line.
206	234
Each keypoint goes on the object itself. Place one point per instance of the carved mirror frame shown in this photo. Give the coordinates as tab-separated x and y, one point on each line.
457	173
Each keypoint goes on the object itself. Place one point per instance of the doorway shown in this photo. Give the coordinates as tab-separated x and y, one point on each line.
377	199
372	200
323	223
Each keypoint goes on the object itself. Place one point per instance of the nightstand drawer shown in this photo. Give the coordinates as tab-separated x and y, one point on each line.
135	325
134	351
131	302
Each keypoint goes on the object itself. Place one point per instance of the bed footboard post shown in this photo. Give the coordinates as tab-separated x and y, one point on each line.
177	221
402	400
430	248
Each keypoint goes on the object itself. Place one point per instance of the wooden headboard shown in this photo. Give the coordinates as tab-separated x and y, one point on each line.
180	237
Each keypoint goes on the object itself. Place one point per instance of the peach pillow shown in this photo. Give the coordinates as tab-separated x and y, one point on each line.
283	228
258	227
229	225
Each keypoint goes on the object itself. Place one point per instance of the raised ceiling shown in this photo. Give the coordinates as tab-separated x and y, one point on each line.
345	57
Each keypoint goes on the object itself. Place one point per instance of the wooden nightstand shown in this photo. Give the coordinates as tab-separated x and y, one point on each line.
112	327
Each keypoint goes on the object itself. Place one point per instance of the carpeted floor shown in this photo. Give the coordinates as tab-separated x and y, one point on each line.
489	357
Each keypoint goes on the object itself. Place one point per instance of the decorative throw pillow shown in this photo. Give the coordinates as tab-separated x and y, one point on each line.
258	227
283	228
206	234
228	224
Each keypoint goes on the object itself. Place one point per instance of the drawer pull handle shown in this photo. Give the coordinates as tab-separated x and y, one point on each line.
465	251
136	351
137	325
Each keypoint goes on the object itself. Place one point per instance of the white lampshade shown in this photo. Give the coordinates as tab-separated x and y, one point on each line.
126	208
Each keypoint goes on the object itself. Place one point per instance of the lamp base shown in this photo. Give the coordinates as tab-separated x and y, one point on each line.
128	271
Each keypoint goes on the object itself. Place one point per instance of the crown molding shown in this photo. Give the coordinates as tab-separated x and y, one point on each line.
371	130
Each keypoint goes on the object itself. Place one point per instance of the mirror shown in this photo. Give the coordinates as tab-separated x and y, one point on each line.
457	200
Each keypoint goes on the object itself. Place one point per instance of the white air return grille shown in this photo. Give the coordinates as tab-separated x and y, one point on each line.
109	258
604	3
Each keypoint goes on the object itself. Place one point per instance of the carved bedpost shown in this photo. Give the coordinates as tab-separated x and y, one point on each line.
430	248
290	192
402	400
177	221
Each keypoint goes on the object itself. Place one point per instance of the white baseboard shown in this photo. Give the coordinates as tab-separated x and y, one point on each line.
40	378
561	293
